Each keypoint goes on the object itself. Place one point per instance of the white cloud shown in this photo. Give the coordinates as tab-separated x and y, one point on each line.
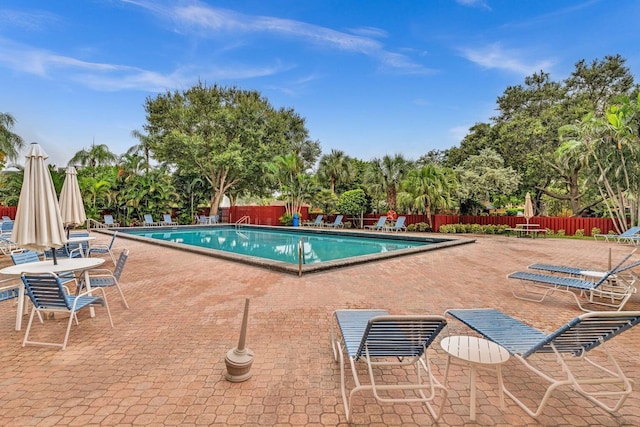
213	22
495	56
113	77
474	3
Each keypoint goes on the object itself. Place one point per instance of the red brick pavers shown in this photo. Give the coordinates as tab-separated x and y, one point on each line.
163	363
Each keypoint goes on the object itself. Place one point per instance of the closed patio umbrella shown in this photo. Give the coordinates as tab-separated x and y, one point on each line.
71	205
528	207
38	224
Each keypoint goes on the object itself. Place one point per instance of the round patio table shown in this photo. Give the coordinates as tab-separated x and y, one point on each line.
47	266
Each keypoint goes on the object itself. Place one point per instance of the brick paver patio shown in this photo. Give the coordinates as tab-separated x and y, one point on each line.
163	363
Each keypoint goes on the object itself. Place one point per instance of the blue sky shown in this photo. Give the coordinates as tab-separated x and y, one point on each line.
370	77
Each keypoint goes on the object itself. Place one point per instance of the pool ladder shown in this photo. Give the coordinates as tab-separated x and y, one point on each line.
244	220
301	259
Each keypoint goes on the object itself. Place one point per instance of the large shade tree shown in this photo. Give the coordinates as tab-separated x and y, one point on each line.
225	134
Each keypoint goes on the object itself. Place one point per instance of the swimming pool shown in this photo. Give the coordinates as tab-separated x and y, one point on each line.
288	249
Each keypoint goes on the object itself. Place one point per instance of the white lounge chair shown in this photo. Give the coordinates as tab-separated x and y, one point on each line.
379	225
604	385
388	342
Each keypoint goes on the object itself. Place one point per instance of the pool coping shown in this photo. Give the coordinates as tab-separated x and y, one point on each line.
437	243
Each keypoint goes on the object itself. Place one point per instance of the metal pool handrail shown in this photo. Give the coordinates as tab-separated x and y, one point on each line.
244	220
301	259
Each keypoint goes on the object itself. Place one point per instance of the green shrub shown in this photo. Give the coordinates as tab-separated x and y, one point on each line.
286	219
490	229
579	232
448	228
462	228
549	232
411	227
502	228
594	231
423	227
477	229
560	232
512	212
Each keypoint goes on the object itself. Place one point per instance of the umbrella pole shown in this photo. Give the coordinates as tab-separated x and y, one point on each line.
55	260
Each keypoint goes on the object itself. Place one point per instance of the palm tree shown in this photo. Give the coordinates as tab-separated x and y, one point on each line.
431	187
10	143
97	155
142	148
385	175
335	167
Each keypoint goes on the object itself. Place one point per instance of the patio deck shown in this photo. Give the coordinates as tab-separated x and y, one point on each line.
163	363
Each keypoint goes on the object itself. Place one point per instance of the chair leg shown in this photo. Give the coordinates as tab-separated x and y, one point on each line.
26	333
122	295
66	335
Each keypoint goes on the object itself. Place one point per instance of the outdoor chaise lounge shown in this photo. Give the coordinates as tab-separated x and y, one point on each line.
388	343
610	290
337	223
560	358
108	221
630	235
167	220
379	225
315	223
148	221
48	294
398	226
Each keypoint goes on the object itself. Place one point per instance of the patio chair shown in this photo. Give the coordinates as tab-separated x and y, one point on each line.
108	221
148	221
605	386
398	226
379	225
7	245
337	223
388	343
104	248
578	271
627	235
6	227
202	219
315	223
101	278
47	293
167	220
610	290
22	256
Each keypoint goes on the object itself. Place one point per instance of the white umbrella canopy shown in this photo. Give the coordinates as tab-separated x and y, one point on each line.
528	207
38	224
71	205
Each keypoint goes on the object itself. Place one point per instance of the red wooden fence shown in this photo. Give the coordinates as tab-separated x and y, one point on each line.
269	215
569	225
9	211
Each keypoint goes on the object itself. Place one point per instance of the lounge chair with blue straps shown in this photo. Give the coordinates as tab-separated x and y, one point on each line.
315	223
337	223
47	293
397	226
625	236
611	290
560	358
108	221
580	271
388	342
379	225
167	220
148	221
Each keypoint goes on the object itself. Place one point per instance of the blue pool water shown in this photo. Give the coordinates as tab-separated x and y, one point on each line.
282	245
